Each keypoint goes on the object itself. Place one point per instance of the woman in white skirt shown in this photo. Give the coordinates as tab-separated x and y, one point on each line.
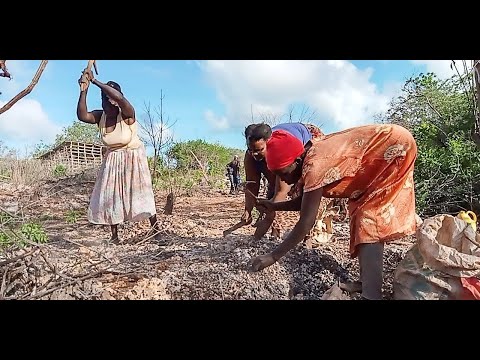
123	189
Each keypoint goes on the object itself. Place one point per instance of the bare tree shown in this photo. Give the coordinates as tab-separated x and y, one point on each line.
271	119
157	134
304	115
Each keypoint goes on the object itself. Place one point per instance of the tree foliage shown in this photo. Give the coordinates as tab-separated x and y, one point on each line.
195	154
440	115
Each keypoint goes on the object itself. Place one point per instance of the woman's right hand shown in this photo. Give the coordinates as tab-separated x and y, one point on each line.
85	79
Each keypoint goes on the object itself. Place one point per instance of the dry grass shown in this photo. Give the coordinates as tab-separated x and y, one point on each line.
31	172
25	171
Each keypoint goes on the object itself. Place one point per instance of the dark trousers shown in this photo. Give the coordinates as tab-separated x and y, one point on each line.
234	182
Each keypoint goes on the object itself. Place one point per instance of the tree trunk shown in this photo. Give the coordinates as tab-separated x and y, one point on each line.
168	210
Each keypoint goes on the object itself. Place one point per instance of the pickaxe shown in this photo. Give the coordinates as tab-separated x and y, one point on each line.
89	67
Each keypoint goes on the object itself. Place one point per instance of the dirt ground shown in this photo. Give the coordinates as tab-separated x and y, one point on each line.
78	262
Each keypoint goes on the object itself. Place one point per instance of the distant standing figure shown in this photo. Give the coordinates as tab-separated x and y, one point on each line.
264	184
233	173
123	189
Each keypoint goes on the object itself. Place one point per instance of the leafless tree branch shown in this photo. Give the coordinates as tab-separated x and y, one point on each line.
28	89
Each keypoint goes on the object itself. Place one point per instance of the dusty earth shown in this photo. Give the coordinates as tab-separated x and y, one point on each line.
78	262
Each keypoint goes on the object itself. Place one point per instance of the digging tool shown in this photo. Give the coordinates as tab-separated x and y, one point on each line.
244	184
261	217
89	67
231	229
241	223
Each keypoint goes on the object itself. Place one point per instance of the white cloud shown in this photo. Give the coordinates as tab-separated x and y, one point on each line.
27	123
442	67
337	90
392	89
217	122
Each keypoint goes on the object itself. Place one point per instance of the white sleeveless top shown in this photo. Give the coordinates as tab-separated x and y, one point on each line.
124	136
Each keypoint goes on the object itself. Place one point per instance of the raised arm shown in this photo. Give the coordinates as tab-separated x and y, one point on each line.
83	114
128	112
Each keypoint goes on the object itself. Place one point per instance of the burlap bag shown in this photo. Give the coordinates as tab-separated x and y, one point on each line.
447	250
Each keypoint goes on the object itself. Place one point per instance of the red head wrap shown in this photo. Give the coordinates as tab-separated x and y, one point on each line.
282	150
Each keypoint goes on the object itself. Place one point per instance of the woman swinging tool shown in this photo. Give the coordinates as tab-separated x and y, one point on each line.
123	190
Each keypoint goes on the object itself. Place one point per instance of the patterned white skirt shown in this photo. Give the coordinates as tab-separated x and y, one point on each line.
123	189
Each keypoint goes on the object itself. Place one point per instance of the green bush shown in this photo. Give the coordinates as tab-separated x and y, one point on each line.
60	170
216	156
439	113
34	232
72	216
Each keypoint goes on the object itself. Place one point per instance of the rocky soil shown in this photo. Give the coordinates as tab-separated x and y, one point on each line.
78	262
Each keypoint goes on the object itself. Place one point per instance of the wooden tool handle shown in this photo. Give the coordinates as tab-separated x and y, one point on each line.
83	87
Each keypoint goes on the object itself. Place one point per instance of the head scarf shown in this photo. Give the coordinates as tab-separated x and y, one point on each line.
282	150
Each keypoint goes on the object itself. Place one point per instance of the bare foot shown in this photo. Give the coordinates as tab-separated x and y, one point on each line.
115	240
351	286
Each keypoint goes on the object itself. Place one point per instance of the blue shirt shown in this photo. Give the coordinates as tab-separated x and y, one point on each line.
298	130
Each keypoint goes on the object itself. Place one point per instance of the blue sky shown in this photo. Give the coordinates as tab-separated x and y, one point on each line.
209	99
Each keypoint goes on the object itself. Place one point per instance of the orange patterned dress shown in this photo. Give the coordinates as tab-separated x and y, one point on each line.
373	167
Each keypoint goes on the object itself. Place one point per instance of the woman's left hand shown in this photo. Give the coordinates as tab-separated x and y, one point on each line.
265	205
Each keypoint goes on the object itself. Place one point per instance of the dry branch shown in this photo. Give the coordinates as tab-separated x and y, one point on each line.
4	72
27	90
19	257
202	167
